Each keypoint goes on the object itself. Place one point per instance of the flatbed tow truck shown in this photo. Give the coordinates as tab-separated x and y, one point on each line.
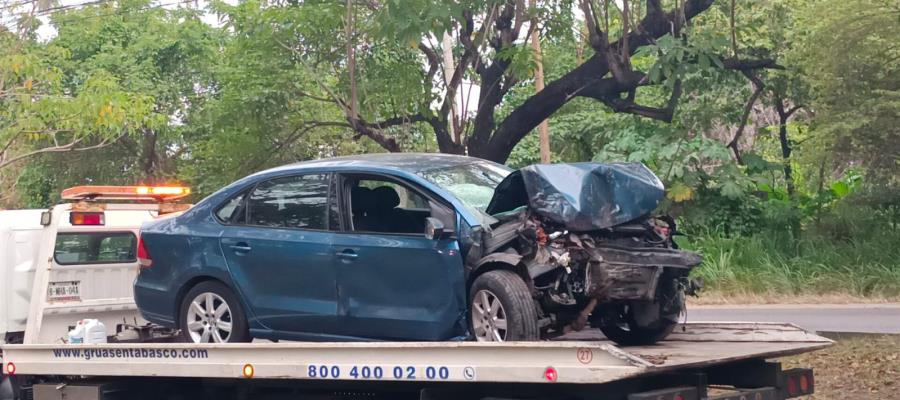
699	361
730	358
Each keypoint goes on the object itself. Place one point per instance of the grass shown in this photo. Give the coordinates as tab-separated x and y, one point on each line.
862	368
862	266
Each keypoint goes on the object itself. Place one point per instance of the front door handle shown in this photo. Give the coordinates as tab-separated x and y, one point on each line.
347	254
241	247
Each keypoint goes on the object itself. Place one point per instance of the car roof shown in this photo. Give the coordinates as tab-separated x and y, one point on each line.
408	162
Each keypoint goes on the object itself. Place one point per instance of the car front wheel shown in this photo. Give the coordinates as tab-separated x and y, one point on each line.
501	308
211	313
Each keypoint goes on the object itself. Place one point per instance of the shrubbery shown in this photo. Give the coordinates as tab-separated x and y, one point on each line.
846	245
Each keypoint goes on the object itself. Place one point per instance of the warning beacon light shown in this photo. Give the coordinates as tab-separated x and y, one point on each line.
154	193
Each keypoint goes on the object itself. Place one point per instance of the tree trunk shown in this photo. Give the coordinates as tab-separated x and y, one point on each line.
150	159
786	147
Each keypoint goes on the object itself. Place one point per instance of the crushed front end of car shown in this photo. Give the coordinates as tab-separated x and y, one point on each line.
593	253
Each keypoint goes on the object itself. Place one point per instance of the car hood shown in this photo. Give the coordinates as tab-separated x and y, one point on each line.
581	196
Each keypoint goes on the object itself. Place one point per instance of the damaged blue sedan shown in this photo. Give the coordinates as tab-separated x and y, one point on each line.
419	247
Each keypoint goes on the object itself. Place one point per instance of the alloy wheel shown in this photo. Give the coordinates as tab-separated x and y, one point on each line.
209	319
488	317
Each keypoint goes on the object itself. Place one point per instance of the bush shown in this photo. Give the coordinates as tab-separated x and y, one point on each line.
850	250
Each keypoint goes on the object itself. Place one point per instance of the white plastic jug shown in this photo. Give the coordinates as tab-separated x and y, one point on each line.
88	331
76	335
94	331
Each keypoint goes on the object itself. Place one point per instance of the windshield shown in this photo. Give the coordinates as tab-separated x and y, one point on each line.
473	184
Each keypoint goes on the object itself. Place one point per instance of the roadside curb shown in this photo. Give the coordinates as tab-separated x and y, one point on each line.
836	336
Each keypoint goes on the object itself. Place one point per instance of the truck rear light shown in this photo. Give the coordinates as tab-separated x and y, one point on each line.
550	374
10	369
87	218
798	382
143	256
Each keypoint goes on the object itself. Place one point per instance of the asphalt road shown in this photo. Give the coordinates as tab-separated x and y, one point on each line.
849	318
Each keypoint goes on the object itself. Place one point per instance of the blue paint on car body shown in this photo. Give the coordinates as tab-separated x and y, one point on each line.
331	283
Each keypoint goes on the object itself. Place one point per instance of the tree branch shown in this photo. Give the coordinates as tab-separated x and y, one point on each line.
628	105
751	64
406	119
433	61
71	146
587	76
758	87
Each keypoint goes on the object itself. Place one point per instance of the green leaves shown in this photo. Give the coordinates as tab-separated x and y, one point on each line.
679	192
674	58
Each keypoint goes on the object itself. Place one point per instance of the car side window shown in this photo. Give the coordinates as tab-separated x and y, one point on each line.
233	211
299	201
385	206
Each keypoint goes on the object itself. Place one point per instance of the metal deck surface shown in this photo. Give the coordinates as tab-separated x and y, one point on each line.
583	358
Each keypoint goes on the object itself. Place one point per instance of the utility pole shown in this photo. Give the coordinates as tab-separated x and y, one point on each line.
544	127
449	67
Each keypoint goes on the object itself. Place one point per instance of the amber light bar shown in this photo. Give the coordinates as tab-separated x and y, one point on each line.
158	193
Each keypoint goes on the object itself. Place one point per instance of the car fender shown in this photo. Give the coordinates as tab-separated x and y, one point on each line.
512	259
509	261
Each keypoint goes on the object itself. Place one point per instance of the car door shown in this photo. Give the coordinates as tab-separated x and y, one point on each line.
398	285
280	254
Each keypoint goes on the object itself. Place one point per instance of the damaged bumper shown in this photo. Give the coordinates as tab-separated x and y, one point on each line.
631	273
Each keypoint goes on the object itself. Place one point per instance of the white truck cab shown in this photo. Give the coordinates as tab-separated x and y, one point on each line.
75	261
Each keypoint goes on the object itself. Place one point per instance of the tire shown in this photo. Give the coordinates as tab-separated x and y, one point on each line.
637	336
212	326
517	308
6	388
624	330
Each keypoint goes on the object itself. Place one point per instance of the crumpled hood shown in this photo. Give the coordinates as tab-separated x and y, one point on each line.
581	196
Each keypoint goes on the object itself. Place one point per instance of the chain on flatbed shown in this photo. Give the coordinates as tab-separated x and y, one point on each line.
585	360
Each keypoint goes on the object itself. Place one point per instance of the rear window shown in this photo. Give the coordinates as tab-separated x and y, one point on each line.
95	248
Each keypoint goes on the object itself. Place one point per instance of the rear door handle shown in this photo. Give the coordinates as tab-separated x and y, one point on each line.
241	248
347	254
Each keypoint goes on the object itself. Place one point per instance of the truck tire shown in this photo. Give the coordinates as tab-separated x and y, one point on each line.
6	388
501	308
211	313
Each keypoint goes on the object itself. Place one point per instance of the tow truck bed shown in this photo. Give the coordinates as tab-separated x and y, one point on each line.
581	360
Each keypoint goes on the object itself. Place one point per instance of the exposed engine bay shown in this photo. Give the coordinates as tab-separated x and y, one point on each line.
583	237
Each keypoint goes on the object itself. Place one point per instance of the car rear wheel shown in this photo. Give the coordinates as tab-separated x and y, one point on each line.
622	326
211	313
501	308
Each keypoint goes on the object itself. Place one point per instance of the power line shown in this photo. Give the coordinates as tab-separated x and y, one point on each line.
16	5
53	10
119	11
127	11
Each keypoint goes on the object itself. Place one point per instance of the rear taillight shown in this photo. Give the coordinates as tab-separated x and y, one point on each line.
143	255
798	382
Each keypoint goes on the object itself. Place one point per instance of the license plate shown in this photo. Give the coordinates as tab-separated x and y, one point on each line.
64	291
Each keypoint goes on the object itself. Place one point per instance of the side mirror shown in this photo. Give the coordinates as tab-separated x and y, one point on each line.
434	228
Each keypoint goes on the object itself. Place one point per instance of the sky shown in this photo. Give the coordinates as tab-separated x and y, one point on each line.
9	8
46	32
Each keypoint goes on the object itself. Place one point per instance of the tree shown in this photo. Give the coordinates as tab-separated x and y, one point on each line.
38	115
358	65
163	54
849	55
